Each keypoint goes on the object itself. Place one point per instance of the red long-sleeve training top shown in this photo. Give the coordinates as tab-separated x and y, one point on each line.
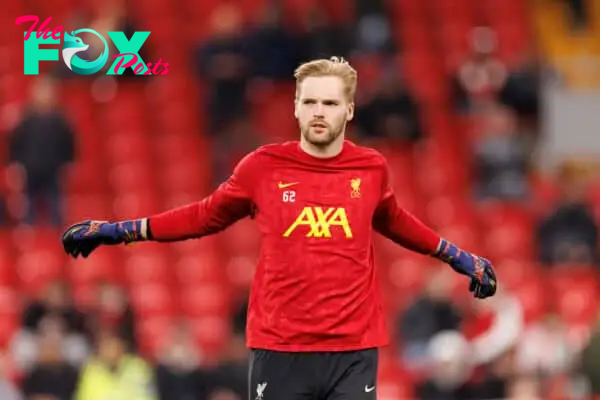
315	287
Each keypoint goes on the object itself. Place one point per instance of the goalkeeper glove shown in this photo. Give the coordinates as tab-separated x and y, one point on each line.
483	279
84	237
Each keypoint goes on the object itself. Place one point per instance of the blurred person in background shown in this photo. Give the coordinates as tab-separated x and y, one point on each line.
480	78
231	375
525	387
578	14
8	389
274	48
431	313
501	157
569	235
532	353
449	369
40	148
55	301
25	345
52	377
113	311
521	90
320	36
392	114
225	68
373	28
179	375
114	373
590	360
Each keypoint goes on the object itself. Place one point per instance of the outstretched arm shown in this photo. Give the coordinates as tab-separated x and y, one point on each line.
230	202
400	226
226	205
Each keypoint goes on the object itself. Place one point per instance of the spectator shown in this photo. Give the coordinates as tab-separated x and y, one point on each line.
55	301
52	375
392	114
521	89
533	357
579	14
178	373
41	146
449	369
25	345
480	78
590	359
114	373
8	390
525	387
373	28
273	47
501	156
570	233
226	70
431	313
321	38
114	312
231	376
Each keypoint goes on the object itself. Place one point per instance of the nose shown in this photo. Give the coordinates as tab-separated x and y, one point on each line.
319	110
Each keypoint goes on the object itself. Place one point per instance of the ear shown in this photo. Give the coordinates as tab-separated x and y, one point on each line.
296	108
350	113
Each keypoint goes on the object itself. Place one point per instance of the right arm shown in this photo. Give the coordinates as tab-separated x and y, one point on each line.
232	201
226	205
229	203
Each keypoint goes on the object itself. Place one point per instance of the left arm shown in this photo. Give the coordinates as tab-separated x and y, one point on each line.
403	228
400	226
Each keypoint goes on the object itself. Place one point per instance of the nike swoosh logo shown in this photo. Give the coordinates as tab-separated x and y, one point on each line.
282	185
369	389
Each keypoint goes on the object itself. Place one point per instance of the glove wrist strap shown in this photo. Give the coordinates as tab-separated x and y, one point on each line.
133	230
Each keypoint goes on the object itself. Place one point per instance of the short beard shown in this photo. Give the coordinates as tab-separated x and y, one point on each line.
323	140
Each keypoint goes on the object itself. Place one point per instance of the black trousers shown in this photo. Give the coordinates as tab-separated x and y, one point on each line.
350	375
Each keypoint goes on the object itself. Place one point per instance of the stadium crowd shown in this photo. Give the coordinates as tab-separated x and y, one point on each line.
540	231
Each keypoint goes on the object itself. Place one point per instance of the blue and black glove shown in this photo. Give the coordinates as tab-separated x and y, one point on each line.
84	237
483	279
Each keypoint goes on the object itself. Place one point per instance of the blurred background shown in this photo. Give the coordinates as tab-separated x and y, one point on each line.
486	109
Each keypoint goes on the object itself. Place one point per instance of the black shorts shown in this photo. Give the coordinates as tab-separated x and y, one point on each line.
350	375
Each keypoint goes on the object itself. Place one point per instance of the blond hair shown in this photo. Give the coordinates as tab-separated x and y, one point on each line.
335	66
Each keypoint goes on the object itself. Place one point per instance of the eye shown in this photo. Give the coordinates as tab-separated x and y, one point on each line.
308	101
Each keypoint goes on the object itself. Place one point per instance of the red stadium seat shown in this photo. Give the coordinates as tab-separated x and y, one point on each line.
131	176
198	268
152	300
240	271
575	292
136	204
40	257
92	205
103	265
145	266
204	299
132	147
153	332
533	297
408	276
211	333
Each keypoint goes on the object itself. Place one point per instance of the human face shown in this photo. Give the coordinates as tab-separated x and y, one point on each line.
322	109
